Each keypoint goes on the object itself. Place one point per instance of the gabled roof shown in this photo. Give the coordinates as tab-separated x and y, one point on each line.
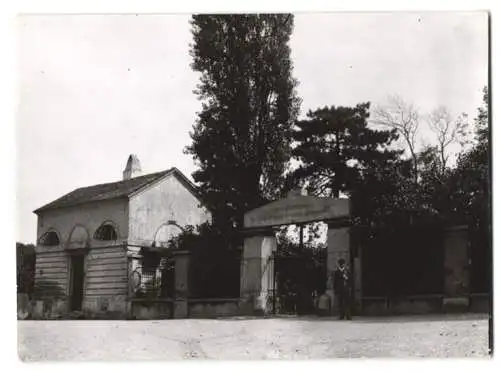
119	189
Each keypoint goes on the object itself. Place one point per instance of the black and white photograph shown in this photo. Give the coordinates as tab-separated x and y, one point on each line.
254	186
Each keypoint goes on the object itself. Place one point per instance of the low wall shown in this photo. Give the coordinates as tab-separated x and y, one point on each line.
416	305
456	304
113	304
208	308
152	309
479	303
379	306
374	307
118	307
24	307
147	309
40	308
52	308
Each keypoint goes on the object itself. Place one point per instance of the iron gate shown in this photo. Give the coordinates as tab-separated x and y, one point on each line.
299	279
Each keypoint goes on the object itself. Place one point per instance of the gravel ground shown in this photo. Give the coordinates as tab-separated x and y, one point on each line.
247	338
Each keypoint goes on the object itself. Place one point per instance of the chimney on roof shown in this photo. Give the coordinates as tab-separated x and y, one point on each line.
133	168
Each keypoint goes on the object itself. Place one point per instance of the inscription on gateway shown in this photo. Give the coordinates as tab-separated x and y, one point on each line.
298	209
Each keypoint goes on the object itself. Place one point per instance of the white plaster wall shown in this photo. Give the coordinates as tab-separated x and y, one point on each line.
90	216
164	201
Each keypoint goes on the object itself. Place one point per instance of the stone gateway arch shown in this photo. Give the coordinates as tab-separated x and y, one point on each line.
260	244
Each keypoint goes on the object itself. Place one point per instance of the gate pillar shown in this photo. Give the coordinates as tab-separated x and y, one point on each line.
338	246
456	268
181	284
257	272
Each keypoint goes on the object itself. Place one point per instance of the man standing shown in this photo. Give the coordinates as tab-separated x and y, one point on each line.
342	289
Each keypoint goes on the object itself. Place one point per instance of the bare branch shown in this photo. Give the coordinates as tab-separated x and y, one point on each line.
447	131
404	118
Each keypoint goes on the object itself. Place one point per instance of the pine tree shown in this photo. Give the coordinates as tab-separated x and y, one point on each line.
335	147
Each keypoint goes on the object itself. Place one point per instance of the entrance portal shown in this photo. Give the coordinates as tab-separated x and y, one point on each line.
299	278
257	282
77	281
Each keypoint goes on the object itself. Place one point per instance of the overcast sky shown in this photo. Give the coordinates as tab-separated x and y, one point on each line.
94	89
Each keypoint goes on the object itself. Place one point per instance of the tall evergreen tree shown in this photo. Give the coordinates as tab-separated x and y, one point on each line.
335	147
241	140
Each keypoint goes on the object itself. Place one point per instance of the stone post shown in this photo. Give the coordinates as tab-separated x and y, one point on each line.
257	272
338	242
356	270
133	257
456	268
181	284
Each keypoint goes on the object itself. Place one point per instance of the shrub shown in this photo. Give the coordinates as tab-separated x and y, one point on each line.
214	262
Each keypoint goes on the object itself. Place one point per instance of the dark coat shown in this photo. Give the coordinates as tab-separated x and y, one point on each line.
342	281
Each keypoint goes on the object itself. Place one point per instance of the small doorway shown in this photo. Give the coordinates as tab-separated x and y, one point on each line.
77	281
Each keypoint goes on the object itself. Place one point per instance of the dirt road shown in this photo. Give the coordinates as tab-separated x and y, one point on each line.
282	338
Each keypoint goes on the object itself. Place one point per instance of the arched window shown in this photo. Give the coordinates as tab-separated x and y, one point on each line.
106	232
49	238
166	232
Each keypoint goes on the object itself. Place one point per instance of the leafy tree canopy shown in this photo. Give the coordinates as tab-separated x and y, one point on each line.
470	182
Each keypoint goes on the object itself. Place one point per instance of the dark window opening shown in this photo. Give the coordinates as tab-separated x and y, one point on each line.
150	260
49	239
106	232
156	275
